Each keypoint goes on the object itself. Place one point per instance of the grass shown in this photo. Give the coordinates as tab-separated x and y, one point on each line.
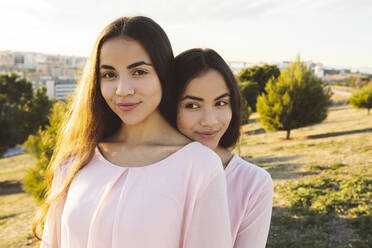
16	206
322	179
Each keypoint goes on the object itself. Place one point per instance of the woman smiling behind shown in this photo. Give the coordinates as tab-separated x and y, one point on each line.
122	175
209	112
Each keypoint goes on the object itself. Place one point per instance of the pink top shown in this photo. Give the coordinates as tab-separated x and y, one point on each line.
180	201
250	194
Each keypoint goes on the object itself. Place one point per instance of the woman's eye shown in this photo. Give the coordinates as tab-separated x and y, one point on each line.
221	103
139	72
191	106
108	75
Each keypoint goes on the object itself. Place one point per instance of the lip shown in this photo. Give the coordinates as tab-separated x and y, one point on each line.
128	106
207	135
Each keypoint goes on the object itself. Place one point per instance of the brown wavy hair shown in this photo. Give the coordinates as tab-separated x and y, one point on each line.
89	120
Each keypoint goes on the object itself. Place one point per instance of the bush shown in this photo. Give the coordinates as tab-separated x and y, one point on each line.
245	111
259	74
22	110
358	81
362	98
297	99
250	91
41	147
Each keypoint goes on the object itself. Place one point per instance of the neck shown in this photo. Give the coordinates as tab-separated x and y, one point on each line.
152	130
224	154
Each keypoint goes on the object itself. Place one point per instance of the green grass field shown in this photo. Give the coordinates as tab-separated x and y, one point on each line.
322	177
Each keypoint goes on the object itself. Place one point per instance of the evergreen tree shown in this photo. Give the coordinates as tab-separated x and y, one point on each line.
296	99
40	109
245	110
22	111
41	147
362	98
259	74
15	99
249	92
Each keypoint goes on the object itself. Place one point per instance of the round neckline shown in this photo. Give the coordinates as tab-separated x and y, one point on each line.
99	153
234	157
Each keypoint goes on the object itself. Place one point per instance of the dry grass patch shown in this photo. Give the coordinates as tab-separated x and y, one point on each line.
16	207
312	174
338	149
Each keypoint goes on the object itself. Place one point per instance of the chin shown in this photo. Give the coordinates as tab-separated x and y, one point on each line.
211	145
131	121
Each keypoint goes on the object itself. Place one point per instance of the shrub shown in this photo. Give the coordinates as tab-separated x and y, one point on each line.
250	91
297	99
259	74
362	98
41	147
22	110
358	81
245	110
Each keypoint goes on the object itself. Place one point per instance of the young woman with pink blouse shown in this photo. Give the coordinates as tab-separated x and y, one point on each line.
122	176
208	111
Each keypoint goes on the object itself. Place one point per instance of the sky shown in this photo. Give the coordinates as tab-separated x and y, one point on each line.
337	33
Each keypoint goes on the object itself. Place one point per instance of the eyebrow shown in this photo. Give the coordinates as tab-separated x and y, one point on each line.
201	99
222	96
109	67
135	64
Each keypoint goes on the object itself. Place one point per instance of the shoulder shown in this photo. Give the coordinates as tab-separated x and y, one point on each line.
200	154
203	152
203	165
63	168
248	177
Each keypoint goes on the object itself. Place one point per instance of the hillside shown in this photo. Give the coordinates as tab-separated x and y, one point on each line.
312	205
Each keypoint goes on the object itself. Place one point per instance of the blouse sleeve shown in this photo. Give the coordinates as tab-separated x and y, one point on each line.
254	229
52	228
210	224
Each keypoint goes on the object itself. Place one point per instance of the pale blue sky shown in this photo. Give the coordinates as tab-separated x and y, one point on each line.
333	32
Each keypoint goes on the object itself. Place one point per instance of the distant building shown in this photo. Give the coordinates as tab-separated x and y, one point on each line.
6	59
319	72
58	70
38	64
60	88
237	66
25	61
282	65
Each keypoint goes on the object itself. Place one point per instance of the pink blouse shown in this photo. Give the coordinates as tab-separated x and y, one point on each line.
180	201
250	194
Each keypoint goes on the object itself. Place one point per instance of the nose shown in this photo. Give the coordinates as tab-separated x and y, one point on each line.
124	87
209	118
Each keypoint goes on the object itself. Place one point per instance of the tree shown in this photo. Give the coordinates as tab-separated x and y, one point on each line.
245	110
358	81
41	147
22	111
40	109
362	98
15	98
259	74
296	99
250	91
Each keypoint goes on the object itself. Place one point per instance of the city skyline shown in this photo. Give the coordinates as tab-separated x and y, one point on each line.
332	32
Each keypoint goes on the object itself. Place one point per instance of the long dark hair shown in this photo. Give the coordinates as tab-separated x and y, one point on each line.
89	119
194	63
156	43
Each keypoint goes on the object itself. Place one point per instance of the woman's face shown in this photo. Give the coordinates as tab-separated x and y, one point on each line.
204	111
128	80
